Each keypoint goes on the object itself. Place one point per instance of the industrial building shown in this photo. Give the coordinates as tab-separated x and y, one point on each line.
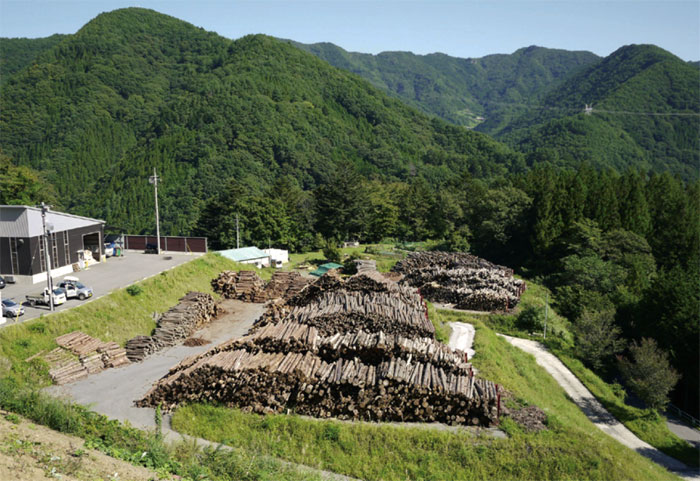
73	242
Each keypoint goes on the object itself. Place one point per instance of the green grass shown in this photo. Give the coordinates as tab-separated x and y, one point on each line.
385	255
647	424
572	448
117	317
184	459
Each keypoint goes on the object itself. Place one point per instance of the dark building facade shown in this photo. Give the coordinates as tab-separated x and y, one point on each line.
22	248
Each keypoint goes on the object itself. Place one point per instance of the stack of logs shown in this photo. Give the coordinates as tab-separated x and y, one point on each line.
89	356
194	311
244	285
356	349
466	281
285	284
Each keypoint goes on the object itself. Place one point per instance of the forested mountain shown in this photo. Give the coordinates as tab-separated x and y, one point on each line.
17	53
646	114
135	89
460	90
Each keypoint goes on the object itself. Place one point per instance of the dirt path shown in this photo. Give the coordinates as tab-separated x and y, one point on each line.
595	411
29	452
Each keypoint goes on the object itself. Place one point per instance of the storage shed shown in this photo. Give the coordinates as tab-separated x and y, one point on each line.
71	239
247	255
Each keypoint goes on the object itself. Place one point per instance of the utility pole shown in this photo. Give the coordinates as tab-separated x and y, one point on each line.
154	180
546	312
47	257
238	237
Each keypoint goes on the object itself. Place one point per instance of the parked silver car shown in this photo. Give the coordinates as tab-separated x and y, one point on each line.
74	288
11	308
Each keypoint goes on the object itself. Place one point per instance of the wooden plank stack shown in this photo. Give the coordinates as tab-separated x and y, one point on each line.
193	311
360	348
244	285
466	281
80	355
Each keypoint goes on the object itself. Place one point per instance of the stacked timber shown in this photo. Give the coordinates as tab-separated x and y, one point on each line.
393	390
463	280
80	355
113	355
341	311
356	349
194	310
244	285
285	284
365	265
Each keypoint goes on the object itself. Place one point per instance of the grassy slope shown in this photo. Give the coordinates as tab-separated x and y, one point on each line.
116	317
572	449
646	424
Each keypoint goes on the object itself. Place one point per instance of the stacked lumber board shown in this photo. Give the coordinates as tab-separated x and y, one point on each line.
354	349
194	310
79	355
244	285
466	281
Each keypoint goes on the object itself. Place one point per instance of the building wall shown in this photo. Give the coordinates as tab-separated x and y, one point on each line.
29	251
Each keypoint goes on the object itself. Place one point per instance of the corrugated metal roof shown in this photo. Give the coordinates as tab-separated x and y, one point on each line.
244	254
25	221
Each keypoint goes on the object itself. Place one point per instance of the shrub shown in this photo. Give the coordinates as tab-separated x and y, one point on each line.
134	290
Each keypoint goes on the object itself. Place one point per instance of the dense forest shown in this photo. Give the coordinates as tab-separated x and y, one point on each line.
17	53
534	99
135	89
603	208
460	90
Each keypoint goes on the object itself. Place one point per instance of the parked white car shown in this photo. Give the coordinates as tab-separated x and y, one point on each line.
59	297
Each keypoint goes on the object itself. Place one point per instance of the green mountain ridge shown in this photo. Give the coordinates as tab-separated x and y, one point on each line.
134	89
646	114
459	90
18	53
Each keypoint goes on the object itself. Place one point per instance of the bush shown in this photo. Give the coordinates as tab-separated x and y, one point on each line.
530	319
331	251
649	374
134	290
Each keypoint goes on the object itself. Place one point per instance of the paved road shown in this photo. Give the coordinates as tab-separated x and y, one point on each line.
595	411
115	273
462	337
683	431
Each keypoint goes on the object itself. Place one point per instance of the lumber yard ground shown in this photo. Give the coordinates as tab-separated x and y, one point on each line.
103	278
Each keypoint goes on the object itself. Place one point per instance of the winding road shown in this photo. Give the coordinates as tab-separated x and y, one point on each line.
595	411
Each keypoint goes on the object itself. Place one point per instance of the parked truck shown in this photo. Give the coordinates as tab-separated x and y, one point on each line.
59	297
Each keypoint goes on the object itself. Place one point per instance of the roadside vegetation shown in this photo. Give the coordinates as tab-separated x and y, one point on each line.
571	448
185	460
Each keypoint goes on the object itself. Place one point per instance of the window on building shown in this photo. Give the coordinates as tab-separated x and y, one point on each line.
54	251
14	256
66	247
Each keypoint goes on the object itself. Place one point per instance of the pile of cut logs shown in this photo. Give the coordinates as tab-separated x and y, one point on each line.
466	281
193	311
285	284
362	348
80	355
244	285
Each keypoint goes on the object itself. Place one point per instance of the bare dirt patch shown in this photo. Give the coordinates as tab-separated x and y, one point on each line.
29	452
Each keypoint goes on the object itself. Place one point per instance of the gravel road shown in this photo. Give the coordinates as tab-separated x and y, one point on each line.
595	411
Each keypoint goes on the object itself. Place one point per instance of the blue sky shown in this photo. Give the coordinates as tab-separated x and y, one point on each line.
458	28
